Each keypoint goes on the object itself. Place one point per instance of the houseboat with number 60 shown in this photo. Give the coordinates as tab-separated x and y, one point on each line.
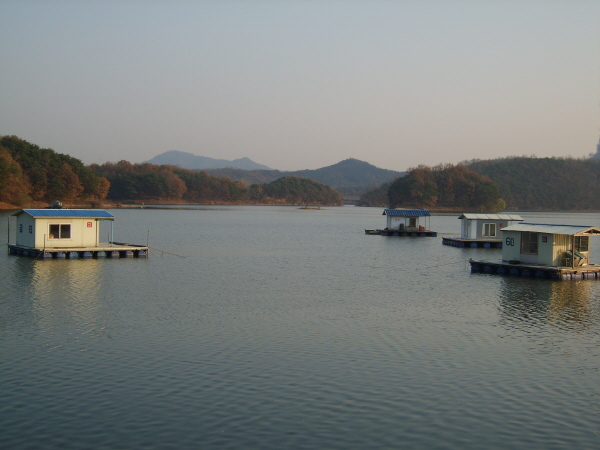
560	252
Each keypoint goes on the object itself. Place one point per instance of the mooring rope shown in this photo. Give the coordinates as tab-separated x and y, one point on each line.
162	251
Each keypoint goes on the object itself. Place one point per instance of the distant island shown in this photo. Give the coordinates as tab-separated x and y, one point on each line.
34	176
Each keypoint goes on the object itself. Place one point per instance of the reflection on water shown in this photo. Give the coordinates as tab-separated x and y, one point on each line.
544	302
76	310
59	299
571	303
554	317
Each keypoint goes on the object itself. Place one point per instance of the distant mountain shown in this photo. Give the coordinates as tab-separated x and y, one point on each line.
351	177
190	161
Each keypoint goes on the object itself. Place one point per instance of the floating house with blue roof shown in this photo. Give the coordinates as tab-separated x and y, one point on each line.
405	222
545	251
66	233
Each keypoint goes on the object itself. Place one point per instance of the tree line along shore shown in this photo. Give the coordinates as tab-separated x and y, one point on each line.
31	176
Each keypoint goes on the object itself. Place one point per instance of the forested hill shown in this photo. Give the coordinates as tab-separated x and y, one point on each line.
528	183
350	177
30	174
441	187
522	183
151	183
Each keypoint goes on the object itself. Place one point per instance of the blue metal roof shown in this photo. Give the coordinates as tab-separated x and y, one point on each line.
81	213
406	212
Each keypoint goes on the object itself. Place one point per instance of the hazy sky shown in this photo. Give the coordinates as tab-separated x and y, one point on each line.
303	84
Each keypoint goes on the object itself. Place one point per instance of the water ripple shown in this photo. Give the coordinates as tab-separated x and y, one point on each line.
271	334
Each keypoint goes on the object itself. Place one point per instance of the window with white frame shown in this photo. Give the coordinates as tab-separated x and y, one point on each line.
59	231
489	229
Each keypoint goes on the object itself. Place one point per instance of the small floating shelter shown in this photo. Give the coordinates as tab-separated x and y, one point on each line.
482	230
66	233
405	222
544	251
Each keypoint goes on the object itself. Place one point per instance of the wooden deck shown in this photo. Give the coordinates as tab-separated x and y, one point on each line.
425	233
114	250
472	243
589	272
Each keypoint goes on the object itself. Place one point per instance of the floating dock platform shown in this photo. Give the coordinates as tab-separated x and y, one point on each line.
588	272
471	243
425	233
115	251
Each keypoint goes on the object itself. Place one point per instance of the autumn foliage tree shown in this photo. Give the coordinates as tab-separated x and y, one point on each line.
141	181
30	173
14	186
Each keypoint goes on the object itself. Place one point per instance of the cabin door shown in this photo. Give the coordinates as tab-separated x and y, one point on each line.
467	227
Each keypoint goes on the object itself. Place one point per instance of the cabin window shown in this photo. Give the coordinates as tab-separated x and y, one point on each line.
582	243
20	228
59	231
30	229
529	242
411	222
489	229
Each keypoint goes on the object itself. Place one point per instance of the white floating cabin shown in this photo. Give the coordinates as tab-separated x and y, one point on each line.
544	250
405	222
481	230
66	233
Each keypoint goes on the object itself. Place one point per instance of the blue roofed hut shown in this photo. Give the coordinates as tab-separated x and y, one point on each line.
407	222
58	233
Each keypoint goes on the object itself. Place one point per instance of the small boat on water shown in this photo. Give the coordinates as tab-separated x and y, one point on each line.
404	222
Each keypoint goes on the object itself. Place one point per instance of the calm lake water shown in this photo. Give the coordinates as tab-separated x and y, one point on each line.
277	327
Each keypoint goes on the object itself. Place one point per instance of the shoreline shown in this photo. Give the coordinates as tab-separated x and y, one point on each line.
138	204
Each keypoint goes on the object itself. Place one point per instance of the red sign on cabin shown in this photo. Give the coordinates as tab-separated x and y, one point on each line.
89	224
